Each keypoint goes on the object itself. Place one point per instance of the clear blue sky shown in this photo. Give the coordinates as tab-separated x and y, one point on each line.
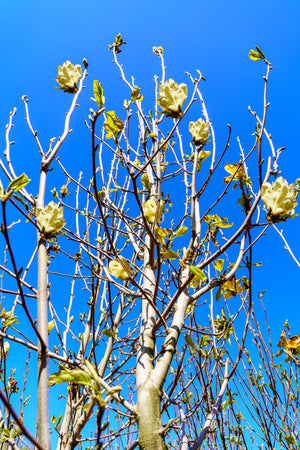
214	36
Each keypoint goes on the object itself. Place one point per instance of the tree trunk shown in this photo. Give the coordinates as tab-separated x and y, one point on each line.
149	417
43	366
148	392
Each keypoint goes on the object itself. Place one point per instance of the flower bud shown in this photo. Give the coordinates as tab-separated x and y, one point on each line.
151	210
145	181
5	348
50	325
116	269
199	131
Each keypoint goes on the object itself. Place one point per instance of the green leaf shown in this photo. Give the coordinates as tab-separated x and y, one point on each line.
92	371
219	265
216	221
18	183
189	340
4	435
117	44
241	202
181	231
169	254
198	272
108	333
76	376
290	439
255	56
98	94
10	321
219	293
104	426
205	340
113	125
97	388
260	52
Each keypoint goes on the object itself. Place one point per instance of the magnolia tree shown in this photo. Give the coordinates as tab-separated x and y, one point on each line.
149	346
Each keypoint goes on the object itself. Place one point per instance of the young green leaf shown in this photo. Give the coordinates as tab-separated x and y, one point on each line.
255	56
76	376
260	52
18	183
98	94
181	231
169	254
113	125
219	293
189	340
219	263
198	272
108	333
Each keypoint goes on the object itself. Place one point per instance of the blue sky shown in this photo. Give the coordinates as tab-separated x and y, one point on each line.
213	36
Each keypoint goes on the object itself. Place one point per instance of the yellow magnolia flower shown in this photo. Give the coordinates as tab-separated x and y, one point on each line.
171	97
199	131
116	269
280	199
68	76
150	210
50	219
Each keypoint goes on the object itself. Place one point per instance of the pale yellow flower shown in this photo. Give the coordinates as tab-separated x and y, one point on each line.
6	347
280	198
50	219
116	269
151	210
199	131
171	97
68	76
